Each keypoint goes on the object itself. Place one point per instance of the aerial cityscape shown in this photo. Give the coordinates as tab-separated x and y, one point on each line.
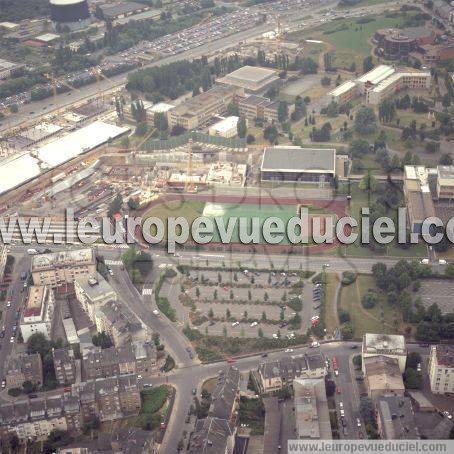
226	227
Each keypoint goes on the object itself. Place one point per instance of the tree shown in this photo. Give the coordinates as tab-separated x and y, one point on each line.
141	129
347	331
260	332
138	111
368	64
445	159
233	109
160	121
133	204
14	108
102	340
224	331
412	379
197	292
263	316
227	313
13	441
282	111
270	133
359	147
368	183
28	387
370	299
365	120
413	359
366	409
210	313
241	127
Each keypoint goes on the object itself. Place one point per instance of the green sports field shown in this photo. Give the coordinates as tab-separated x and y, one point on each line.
216	211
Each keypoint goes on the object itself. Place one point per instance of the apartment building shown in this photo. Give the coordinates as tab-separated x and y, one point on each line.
278	374
441	369
93	291
39	430
60	268
252	107
311	409
129	395
383	376
389	345
38	313
197	111
115	319
64	365
138	357
24	367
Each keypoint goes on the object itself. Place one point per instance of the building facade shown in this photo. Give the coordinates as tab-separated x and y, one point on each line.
64	365
441	369
60	268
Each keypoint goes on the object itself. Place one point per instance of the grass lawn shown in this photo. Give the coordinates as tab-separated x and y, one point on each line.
383	318
330	304
153	399
191	209
351	41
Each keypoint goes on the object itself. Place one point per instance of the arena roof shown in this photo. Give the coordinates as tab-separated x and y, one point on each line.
16	170
78	142
296	159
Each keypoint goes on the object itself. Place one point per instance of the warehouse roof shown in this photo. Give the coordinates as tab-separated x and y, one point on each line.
377	74
16	170
78	142
296	159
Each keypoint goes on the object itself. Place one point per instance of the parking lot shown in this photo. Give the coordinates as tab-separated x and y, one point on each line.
242	303
437	291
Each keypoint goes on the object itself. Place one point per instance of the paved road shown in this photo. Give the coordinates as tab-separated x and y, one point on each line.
9	314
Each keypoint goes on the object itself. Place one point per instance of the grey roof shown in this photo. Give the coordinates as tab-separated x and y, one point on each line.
210	436
446	171
95	286
397	417
127	382
224	393
64	354
296	159
121	8
291	367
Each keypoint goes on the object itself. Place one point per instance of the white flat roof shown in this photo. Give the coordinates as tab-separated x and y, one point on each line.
8	25
341	89
225	124
78	142
47	37
161	107
377	74
16	170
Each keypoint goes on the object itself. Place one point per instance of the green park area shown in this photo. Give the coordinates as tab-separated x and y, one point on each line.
153	408
382	318
349	39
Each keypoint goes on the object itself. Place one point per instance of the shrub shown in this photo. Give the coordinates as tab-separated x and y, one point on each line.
370	299
348	278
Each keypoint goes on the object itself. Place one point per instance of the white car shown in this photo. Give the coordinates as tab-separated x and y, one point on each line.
447	414
235	323
342	413
8	304
254	324
156	312
3	383
326	265
288	350
275	336
358	422
110	271
341	405
336	373
139	377
315	344
418	367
